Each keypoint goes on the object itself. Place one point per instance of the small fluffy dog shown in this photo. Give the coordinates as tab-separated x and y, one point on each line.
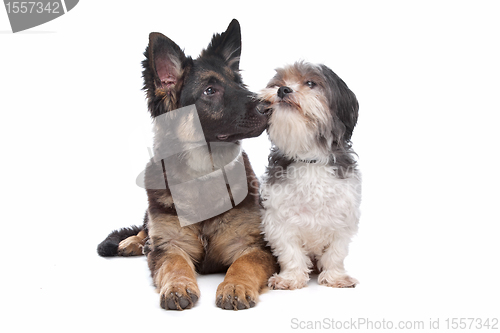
311	191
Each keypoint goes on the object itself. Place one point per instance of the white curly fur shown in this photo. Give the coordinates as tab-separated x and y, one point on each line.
310	213
311	216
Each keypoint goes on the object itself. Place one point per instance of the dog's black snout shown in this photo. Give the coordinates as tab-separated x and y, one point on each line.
282	91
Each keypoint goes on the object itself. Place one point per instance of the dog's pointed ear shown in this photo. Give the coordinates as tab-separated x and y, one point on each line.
227	45
165	60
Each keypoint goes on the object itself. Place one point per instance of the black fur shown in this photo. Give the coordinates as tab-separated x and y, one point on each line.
343	104
190	77
109	246
226	46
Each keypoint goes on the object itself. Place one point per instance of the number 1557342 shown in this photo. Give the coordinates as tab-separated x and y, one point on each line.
16	7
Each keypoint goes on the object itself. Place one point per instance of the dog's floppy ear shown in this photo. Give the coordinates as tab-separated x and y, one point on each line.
227	45
343	102
347	109
165	60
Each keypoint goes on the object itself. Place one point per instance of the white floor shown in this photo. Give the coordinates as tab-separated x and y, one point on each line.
71	138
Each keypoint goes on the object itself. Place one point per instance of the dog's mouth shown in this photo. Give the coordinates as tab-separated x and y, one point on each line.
249	124
240	136
289	103
285	105
245	133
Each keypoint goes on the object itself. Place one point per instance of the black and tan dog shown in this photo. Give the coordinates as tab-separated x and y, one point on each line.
232	240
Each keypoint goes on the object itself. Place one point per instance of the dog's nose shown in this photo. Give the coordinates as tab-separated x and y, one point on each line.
282	91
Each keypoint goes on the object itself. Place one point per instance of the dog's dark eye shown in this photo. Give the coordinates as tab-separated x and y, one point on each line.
209	91
311	84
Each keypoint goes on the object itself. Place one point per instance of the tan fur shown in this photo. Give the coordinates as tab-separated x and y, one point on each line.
175	280
169	97
132	246
167	232
244	280
213	74
232	240
166	200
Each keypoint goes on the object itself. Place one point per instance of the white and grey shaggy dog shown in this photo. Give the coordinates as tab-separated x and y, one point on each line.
311	191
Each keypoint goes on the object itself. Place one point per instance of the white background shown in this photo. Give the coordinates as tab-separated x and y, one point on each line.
72	140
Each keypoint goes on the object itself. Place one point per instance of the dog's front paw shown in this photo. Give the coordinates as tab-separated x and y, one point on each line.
342	281
235	296
179	295
278	281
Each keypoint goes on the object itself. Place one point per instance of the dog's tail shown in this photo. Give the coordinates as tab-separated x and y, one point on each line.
124	242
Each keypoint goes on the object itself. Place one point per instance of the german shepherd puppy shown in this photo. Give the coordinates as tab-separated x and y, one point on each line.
231	241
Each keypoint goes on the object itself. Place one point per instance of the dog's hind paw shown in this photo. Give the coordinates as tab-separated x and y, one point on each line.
130	247
133	245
